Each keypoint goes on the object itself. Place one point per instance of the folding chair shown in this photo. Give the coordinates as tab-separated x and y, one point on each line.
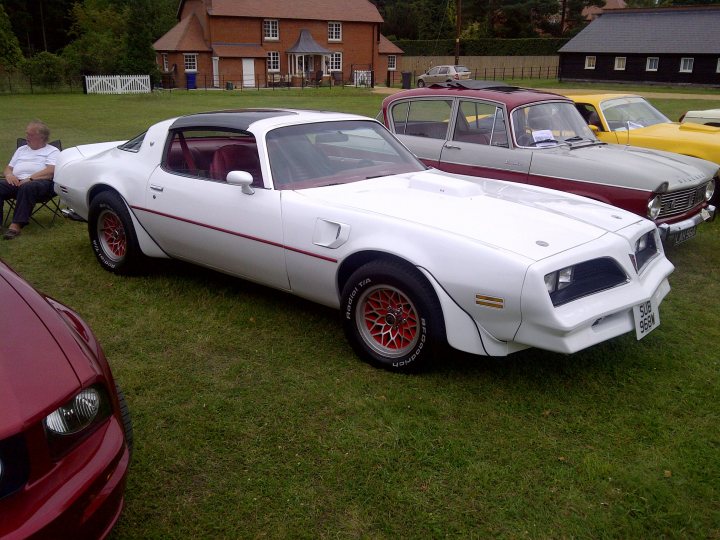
52	203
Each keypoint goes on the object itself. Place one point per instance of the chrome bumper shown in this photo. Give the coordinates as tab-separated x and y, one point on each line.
669	231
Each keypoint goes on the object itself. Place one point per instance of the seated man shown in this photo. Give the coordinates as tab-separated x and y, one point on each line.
28	176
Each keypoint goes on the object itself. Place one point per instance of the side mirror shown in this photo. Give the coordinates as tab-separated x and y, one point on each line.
243	179
594	128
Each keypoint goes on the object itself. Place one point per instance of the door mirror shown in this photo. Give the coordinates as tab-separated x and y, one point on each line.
243	179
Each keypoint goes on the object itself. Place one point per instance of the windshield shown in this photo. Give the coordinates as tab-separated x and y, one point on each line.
326	153
549	124
630	113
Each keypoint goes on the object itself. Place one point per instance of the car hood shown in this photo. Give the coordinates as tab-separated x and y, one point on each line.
678	132
623	166
35	375
532	222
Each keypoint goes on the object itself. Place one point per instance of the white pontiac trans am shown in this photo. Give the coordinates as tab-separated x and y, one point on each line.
332	208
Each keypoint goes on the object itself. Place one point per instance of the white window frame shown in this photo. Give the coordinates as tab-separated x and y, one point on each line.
590	62
334	31
654	60
190	62
620	63
273	62
717	69
164	58
687	64
335	63
392	62
271	29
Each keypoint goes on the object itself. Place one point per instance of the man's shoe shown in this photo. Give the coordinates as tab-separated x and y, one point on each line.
10	234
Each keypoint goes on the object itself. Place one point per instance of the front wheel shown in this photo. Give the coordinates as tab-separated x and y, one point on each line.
112	234
420	83
392	317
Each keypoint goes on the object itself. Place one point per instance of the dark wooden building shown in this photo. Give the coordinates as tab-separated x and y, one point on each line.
677	45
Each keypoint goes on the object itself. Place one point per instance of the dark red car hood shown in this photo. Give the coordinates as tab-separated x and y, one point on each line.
35	374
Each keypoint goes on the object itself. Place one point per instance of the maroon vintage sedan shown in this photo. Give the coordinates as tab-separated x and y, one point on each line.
65	431
487	129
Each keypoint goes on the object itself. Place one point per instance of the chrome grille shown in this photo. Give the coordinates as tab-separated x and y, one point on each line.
679	202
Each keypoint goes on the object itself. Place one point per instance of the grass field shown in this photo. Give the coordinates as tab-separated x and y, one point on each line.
254	419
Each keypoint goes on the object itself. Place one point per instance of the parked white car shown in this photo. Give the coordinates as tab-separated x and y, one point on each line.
332	208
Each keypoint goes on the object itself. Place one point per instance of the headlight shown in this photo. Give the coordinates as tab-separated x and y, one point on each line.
583	279
654	206
710	190
76	414
555	281
77	418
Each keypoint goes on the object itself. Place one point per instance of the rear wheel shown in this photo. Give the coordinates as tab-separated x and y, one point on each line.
112	234
392	317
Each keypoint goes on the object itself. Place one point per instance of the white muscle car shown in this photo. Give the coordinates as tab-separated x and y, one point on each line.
332	208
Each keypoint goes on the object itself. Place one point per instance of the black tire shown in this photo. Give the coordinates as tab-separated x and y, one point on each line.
126	419
400	340
420	83
112	235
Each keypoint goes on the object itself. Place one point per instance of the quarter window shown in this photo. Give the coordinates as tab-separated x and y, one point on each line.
652	63
273	61
392	62
717	69
271	29
190	61
422	118
620	63
686	65
589	62
334	31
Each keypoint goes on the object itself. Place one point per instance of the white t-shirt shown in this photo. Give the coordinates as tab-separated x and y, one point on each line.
26	161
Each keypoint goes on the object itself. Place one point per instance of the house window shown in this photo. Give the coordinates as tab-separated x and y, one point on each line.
334	31
652	63
273	61
190	61
392	62
619	63
164	57
686	65
717	69
336	61
589	62
270	29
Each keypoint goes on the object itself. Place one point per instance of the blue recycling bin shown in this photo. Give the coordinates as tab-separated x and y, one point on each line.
191	80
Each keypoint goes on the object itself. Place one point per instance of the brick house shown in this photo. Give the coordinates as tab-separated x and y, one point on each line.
262	42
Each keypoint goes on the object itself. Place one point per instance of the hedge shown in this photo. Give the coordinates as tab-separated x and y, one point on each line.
483	47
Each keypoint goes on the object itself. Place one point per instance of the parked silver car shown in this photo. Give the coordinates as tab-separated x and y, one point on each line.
443	74
484	129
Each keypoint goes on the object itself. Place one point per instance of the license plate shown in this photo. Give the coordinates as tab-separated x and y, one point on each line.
647	318
685	235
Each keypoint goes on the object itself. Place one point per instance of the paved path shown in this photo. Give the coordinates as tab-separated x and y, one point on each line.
661	95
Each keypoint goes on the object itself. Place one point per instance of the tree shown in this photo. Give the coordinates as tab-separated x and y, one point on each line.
10	53
44	68
139	55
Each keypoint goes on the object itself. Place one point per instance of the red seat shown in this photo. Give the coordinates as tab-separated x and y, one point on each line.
236	157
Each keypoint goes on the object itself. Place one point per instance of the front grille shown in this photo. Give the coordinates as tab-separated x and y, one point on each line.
679	202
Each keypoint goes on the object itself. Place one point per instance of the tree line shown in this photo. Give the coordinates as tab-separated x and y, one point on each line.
53	39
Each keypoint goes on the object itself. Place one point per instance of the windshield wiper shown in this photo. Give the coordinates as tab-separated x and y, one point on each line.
543	141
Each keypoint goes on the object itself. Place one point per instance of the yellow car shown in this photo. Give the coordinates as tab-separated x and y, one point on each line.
629	119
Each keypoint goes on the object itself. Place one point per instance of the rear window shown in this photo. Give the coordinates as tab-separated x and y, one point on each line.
460	69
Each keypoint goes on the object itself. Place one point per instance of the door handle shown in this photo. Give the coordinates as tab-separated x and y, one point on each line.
451	146
156	188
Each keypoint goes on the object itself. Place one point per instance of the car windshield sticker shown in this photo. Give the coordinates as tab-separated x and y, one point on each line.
543	135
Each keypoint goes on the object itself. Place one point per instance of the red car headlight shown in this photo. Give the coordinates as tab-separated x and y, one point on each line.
77	418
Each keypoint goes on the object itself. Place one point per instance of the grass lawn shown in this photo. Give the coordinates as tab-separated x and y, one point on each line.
254	419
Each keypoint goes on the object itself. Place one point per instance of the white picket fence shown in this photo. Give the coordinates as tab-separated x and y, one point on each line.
118	84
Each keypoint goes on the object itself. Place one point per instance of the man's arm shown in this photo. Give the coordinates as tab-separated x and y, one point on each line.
10	177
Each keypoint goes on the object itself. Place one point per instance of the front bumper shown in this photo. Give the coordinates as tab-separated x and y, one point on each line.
674	233
81	496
